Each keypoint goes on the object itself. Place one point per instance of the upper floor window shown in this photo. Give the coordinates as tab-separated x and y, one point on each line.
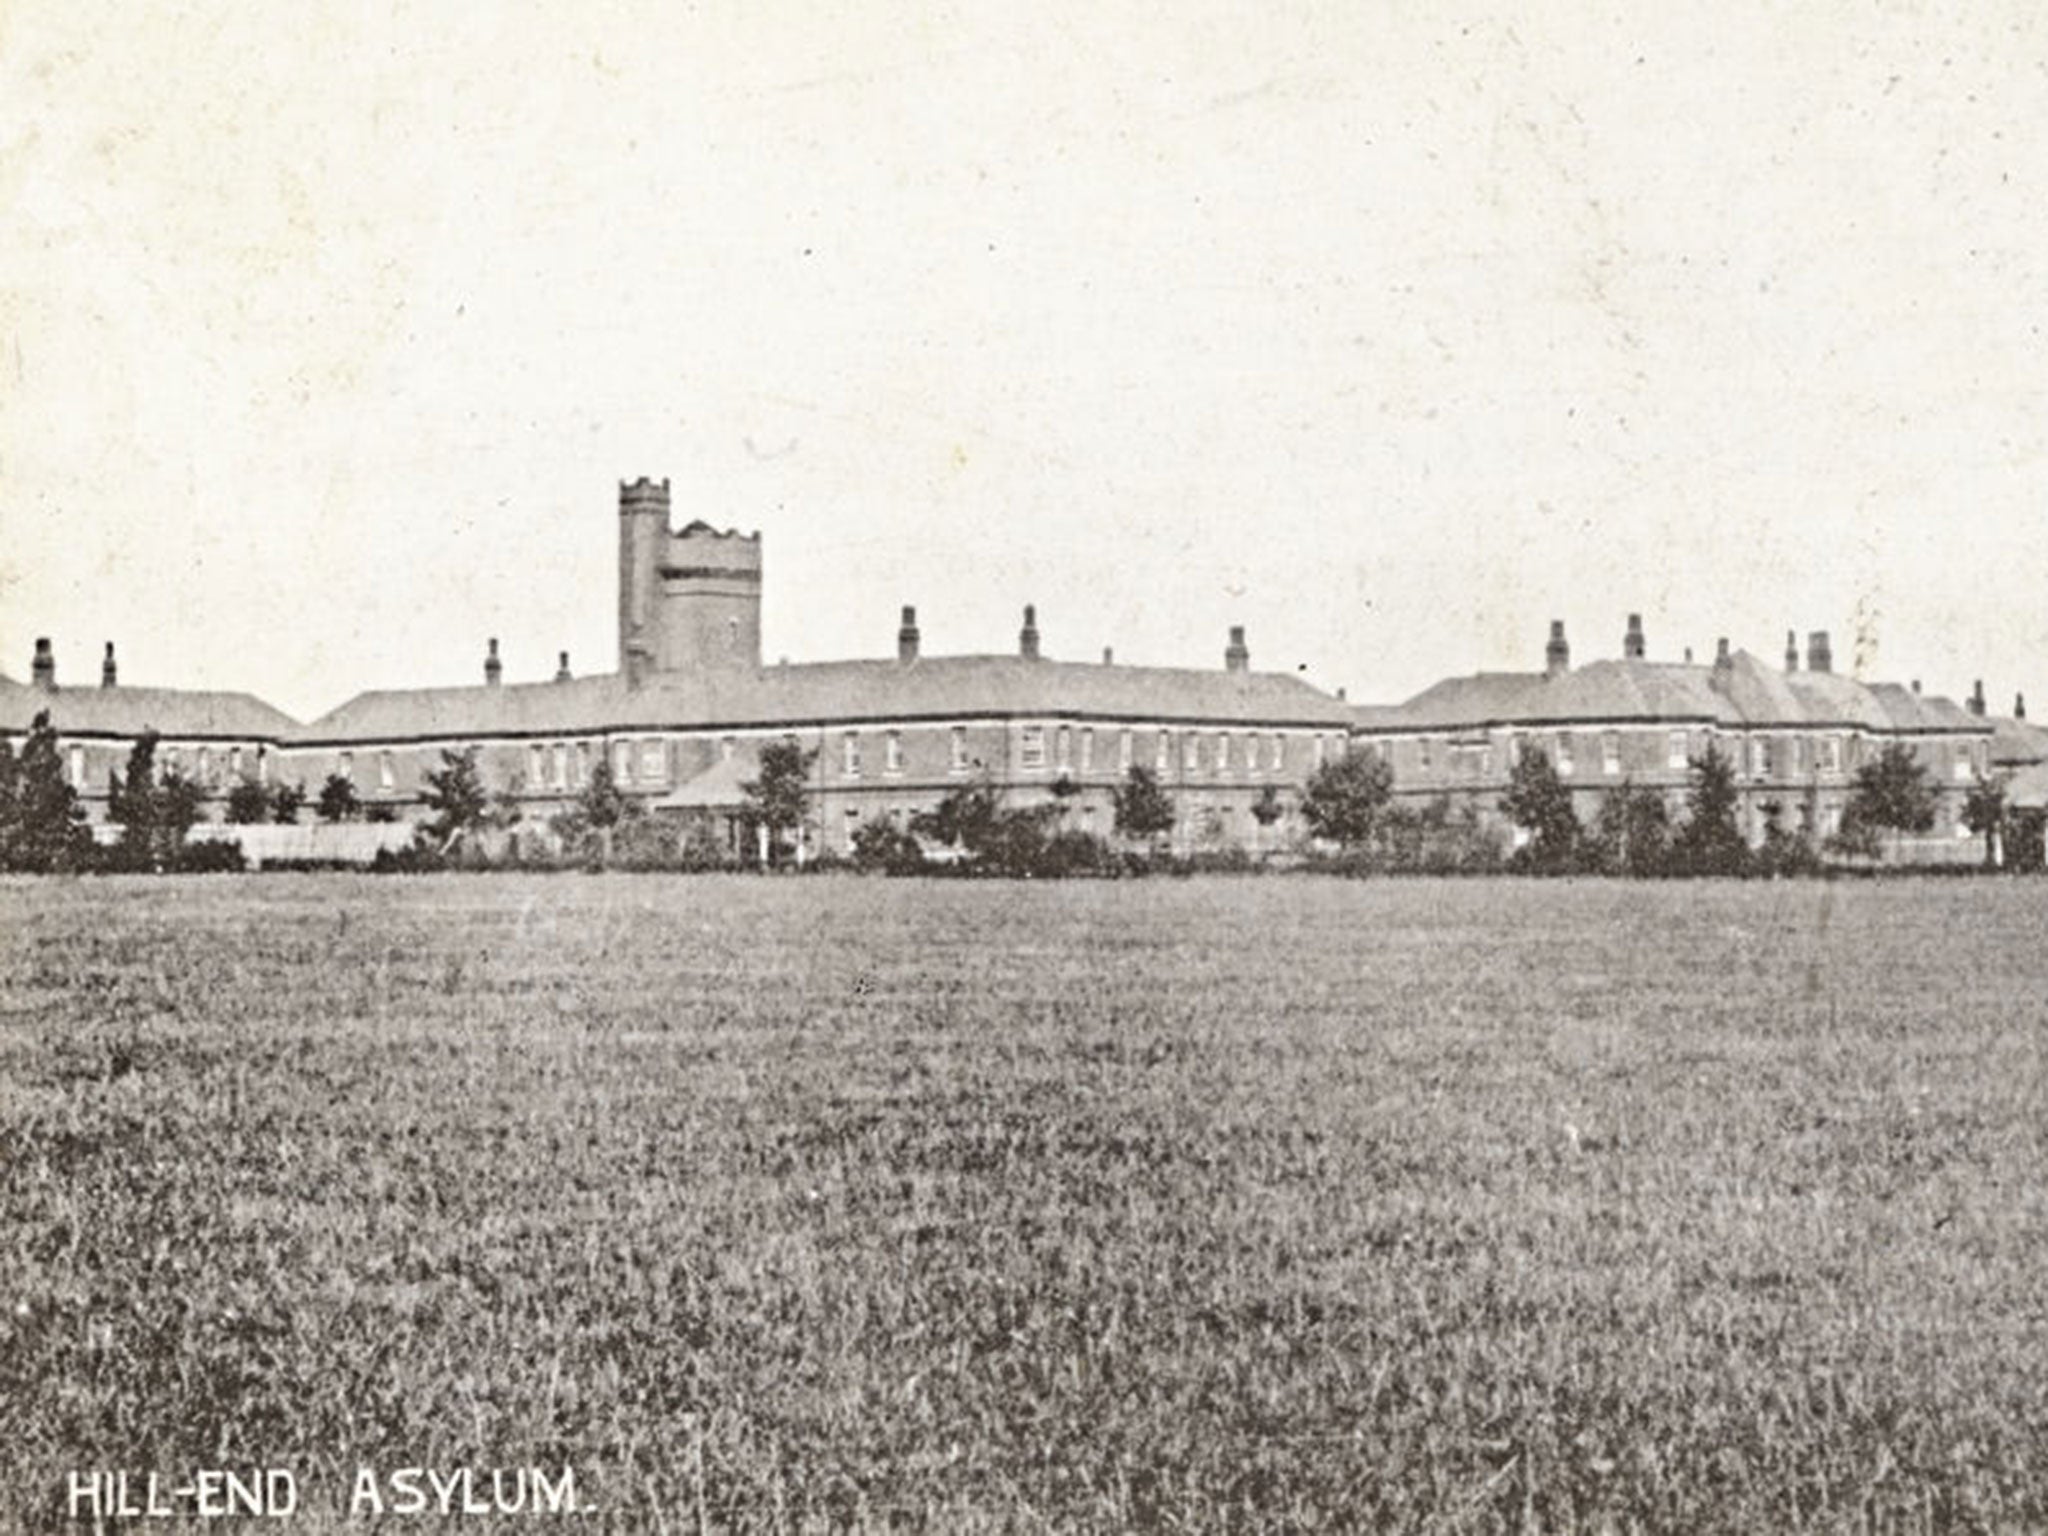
582	762
653	761
1831	754
726	747
386	771
1610	752
1087	749
1564	754
1676	756
849	754
1279	752
78	767
892	752
1064	748
959	760
1164	741
1031	747
536	765
1191	752
1760	757
622	761
1123	750
347	768
1222	752
561	765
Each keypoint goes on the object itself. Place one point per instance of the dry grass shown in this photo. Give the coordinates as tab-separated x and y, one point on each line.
1263	1204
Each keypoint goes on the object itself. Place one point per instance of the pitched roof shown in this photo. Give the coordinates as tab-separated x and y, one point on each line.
2015	742
179	713
933	687
1748	691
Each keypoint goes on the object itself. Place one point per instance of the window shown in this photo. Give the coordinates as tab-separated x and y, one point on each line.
1251	755
1087	749
1190	752
1677	756
347	768
536	765
262	765
959	763
1965	763
1123	750
1564	754
386	777
622	761
732	635
653	761
1760	757
561	765
1279	753
1610	752
1164	760
1831	754
1422	754
1063	758
582	763
235	762
1222	753
78	767
727	745
1319	751
1031	748
892	752
849	754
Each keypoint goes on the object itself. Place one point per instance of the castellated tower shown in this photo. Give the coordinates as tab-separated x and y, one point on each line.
689	599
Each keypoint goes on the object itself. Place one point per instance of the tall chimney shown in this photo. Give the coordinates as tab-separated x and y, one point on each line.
1632	642
1791	651
1027	637
2019	706
1977	698
562	668
1916	685
109	676
494	669
43	670
1819	657
907	636
1108	656
1236	658
1724	664
1557	655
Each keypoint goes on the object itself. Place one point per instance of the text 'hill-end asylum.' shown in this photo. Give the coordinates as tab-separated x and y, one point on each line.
684	713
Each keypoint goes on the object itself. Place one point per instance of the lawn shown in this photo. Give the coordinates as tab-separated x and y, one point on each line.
1212	1204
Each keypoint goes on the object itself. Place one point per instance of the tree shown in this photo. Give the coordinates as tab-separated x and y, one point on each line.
1891	793
1632	833
338	799
1344	798
1710	842
248	803
1144	809
779	794
286	801
964	819
155	812
1984	813
457	797
42	825
1538	802
1266	810
603	804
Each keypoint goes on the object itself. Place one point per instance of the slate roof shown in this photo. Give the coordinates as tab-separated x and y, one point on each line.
181	714
933	687
2017	742
1749	691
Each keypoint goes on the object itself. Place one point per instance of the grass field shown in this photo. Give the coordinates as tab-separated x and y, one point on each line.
1210	1204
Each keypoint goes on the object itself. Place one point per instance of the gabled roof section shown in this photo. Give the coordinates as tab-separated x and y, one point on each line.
1910	711
2015	743
181	714
819	693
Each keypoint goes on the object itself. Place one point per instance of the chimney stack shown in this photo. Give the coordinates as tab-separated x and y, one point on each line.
2019	706
1108	657
1027	637
1819	657
1791	651
1632	642
1236	658
1977	698
562	668
1688	655
1557	655
43	670
1341	696
1724	664
109	677
907	635
1916	685
494	669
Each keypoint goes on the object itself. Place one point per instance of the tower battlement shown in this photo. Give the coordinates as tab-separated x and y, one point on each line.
689	598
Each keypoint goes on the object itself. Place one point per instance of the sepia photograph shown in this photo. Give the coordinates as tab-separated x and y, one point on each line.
965	768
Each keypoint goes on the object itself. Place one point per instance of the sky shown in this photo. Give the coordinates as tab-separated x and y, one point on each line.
1389	331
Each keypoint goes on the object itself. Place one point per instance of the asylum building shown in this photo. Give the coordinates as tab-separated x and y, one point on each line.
688	703
1795	733
683	716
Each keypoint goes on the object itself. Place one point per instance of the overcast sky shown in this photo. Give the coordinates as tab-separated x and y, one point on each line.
1388	331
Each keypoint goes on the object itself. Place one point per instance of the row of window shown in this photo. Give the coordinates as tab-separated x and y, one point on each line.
1768	757
206	766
